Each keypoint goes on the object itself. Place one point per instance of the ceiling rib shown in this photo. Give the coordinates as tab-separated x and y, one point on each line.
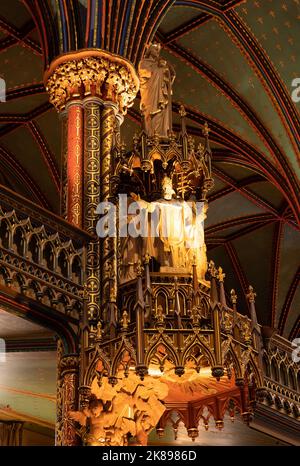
236	100
295	332
254	198
247	219
239	272
20	35
47	155
193	24
267	71
9	160
24	91
14	121
288	301
275	268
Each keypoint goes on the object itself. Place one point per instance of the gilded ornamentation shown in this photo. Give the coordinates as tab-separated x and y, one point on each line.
130	407
251	295
68	374
109	243
64	165
91	201
212	269
246	332
227	322
125	320
75	165
93	72
220	274
233	296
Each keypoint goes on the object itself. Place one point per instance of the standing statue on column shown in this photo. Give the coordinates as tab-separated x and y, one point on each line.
156	80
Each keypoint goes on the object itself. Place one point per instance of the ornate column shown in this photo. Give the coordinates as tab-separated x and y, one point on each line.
94	87
91	201
75	163
69	395
109	244
64	164
92	90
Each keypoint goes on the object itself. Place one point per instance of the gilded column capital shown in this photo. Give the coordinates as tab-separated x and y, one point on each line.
91	72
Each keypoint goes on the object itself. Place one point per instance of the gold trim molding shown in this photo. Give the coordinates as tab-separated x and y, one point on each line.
91	72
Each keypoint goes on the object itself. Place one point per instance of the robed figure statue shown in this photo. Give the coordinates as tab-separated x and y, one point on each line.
156	79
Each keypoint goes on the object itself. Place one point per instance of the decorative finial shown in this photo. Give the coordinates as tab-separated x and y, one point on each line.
191	143
147	258
159	315
99	331
233	296
194	316
212	269
139	269
221	275
155	138
251	295
125	320
182	111
201	149
205	129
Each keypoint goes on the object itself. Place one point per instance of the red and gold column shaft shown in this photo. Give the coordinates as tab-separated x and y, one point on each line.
75	163
64	165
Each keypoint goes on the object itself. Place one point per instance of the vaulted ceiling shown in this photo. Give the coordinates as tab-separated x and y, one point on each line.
235	62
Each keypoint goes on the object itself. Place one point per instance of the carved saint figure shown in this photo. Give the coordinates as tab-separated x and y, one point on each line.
134	409
175	235
156	80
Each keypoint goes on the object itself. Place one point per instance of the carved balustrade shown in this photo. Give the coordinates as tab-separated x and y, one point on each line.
41	256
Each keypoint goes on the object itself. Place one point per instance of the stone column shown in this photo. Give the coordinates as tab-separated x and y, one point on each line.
94	88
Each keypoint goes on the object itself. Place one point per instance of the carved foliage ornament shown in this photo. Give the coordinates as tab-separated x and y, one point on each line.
96	73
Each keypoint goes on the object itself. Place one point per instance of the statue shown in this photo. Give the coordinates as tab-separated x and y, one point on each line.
130	408
175	235
97	424
167	188
156	80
